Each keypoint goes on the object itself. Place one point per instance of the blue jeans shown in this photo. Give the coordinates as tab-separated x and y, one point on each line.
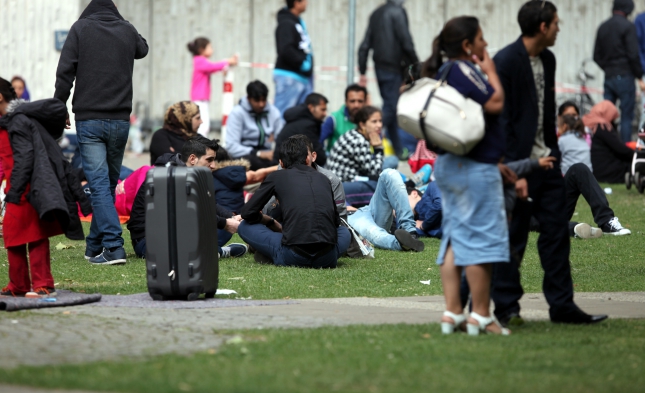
102	144
290	92
269	243
623	89
375	220
389	84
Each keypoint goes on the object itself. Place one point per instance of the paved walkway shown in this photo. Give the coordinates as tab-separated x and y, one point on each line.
86	333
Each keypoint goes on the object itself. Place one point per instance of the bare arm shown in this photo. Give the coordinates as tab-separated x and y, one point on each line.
258	176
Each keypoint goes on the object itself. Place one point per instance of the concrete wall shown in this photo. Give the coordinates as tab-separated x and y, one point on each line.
247	26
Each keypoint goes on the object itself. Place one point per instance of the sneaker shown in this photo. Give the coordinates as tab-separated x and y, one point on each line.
91	254
6	292
585	231
107	257
422	176
42	292
513	319
614	228
234	250
409	240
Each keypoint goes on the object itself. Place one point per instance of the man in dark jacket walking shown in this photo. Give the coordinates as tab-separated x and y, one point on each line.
293	74
388	36
526	69
99	56
305	119
617	53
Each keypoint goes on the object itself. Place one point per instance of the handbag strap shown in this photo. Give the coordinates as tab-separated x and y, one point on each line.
424	111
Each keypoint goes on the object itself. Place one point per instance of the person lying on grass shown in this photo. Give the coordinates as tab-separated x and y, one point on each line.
310	234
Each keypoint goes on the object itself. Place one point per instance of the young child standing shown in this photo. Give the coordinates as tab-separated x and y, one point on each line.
25	143
200	91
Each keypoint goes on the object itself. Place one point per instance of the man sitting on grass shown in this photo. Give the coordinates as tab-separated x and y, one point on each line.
374	221
310	234
198	151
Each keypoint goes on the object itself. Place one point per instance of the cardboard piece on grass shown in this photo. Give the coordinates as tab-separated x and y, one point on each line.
62	299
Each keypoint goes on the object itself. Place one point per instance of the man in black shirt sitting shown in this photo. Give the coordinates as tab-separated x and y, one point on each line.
310	235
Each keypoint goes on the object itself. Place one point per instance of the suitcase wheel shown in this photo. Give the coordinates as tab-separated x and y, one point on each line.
209	295
193	296
158	297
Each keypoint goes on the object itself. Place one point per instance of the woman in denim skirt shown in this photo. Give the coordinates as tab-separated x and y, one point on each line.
474	218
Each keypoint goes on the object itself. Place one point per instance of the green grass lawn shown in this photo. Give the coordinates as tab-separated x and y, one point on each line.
606	264
541	357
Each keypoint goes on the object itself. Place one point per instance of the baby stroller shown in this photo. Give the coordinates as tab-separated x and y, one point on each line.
637	174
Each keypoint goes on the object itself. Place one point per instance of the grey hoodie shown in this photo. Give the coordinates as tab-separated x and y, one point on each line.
243	136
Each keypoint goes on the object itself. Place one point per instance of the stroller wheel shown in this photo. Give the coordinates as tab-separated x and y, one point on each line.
641	183
628	180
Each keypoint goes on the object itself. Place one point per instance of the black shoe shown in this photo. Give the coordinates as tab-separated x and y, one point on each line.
512	319
408	240
577	317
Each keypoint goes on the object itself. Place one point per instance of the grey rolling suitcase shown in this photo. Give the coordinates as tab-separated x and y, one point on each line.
181	233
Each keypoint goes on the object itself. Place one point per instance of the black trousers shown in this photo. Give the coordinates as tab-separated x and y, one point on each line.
580	181
257	162
547	190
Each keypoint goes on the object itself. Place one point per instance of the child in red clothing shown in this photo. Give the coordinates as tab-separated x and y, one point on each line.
25	233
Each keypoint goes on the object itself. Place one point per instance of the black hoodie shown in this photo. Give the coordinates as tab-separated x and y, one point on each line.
293	44
616	50
99	54
300	121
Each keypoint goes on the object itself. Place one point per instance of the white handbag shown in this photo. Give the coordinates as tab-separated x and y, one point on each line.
434	111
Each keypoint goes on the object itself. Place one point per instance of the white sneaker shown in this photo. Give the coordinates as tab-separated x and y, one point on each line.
585	231
614	228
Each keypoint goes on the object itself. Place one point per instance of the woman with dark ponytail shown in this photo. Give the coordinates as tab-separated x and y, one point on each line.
200	90
474	218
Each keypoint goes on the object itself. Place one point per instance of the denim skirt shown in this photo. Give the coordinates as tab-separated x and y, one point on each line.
474	218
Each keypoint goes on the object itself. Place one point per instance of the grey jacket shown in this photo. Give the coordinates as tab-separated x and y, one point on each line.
243	129
574	150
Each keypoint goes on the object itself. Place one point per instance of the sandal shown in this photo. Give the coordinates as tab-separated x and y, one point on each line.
457	320
483	322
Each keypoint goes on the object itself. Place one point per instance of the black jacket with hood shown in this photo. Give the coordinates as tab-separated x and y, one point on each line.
99	54
137	222
293	44
388	35
300	121
616	50
39	162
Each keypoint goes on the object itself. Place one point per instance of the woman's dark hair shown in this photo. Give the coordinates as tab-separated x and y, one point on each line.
566	105
293	151
7	91
533	14
575	125
222	155
198	46
257	90
364	114
449	42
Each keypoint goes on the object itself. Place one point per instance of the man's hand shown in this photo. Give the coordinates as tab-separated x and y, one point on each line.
237	218
68	123
547	162
362	81
419	224
351	209
275	227
266	155
231	225
641	84
508	176
522	189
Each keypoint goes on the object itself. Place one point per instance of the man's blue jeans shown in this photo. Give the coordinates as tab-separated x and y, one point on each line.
290	92
623	89
102	144
389	84
375	220
269	244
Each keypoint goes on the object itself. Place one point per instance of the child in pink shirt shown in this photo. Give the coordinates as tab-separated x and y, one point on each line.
200	91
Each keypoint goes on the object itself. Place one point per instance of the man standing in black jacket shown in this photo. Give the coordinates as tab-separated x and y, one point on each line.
388	36
99	56
310	234
305	119
617	53
293	74
526	69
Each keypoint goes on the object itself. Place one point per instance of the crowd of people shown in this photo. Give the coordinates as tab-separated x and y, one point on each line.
304	188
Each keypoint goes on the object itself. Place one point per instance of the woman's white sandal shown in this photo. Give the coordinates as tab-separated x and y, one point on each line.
473	330
449	328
